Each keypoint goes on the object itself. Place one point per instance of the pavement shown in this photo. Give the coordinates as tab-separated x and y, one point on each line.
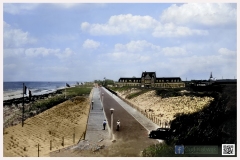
95	135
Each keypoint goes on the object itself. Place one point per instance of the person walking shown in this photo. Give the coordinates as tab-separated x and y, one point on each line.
104	124
92	104
118	125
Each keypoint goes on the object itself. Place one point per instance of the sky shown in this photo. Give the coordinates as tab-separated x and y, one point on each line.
90	41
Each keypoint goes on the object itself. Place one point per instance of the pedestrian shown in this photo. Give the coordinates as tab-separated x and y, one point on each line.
104	124
118	125
92	104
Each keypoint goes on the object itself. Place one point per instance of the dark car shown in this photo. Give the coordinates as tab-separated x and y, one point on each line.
160	133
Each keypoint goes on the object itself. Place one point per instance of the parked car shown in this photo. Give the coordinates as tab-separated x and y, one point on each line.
160	133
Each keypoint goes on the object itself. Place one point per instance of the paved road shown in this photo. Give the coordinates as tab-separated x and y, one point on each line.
134	127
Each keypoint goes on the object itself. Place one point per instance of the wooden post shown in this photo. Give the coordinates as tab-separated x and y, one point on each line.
84	134
38	149
74	136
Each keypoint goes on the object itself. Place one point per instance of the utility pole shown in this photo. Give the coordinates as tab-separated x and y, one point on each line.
23	105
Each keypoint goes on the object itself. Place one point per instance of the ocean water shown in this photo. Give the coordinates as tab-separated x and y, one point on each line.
15	89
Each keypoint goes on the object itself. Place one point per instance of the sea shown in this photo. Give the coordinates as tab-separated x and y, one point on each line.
13	90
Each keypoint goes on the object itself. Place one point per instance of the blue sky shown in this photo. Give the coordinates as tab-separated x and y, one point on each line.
85	42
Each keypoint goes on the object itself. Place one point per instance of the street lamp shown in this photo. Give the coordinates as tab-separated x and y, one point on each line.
102	97
111	122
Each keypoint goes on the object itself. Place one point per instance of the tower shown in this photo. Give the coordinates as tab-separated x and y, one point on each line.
211	77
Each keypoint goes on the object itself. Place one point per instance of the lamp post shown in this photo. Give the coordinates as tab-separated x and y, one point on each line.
111	122
102	97
102	101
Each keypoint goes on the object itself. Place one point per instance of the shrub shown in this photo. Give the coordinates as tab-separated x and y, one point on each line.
130	96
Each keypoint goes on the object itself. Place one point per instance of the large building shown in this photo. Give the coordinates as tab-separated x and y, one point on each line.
149	79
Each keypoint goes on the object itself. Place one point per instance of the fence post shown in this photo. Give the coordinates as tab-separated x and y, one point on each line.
84	134
74	136
38	149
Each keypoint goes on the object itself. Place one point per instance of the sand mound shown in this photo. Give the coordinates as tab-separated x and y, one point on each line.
57	124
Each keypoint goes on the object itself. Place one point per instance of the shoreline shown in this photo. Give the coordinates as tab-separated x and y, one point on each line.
11	95
12	108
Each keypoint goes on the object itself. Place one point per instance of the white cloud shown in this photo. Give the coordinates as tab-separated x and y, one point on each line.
66	53
15	37
200	64
174	51
136	46
40	51
34	52
227	52
13	52
91	44
120	24
201	13
124	57
85	26
144	47
171	30
18	8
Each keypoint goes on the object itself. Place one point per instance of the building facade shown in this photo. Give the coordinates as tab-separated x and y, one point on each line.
149	79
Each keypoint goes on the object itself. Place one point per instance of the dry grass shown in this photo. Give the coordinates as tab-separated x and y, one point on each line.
52	124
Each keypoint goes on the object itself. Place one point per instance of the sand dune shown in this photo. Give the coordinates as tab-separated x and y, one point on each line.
60	121
165	108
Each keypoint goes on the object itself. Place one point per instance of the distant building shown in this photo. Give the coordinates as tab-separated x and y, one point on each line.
212	81
149	79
